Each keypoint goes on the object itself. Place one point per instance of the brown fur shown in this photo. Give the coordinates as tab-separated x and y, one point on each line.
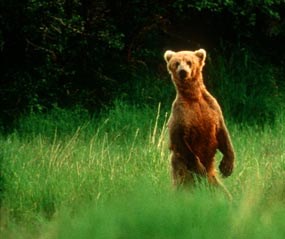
196	126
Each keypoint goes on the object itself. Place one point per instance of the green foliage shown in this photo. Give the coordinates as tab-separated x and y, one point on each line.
109	177
77	52
248	90
66	48
56	121
148	88
149	215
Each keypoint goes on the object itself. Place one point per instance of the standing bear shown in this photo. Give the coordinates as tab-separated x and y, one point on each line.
196	125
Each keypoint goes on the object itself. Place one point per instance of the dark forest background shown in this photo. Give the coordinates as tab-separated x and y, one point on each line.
66	53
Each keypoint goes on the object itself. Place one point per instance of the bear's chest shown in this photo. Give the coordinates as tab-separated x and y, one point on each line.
194	115
197	122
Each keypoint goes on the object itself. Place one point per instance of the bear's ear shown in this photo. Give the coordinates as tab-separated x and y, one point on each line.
168	54
201	54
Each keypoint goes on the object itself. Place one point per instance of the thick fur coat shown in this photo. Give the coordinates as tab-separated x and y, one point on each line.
196	125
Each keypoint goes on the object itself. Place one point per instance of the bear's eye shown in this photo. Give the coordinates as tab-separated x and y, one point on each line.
189	63
176	64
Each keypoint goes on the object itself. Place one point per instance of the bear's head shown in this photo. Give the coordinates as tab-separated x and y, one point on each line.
185	67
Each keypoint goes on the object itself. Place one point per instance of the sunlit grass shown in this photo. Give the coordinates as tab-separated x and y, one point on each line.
108	177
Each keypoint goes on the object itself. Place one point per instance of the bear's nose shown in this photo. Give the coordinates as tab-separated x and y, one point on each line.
182	74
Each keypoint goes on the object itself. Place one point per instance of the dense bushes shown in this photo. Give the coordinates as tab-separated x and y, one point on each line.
78	52
249	89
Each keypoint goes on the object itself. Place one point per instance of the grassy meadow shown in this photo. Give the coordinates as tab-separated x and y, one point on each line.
67	175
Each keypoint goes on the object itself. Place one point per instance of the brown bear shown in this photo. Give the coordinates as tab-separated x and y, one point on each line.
196	125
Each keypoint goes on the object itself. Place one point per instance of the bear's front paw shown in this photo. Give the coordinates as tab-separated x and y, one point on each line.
226	167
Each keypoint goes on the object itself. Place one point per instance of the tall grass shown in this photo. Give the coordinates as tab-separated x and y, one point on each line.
109	178
250	89
66	174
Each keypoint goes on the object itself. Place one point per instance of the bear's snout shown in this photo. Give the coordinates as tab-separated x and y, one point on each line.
182	74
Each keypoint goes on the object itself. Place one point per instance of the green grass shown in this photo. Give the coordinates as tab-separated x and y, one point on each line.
67	175
250	88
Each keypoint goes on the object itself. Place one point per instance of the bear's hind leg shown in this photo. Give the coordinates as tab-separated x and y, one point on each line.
181	175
